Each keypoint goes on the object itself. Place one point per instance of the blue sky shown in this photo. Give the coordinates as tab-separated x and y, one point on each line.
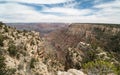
65	11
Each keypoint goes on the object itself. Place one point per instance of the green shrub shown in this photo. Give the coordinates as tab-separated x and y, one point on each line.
6	29
10	71
20	67
12	50
33	60
114	44
25	31
2	65
1	24
118	68
32	42
1	40
99	68
19	31
18	56
3	69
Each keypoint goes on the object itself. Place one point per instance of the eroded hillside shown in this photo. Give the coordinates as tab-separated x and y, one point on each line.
82	44
26	53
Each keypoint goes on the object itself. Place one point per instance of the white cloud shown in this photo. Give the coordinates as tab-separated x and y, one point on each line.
71	4
40	1
110	10
68	11
112	4
13	12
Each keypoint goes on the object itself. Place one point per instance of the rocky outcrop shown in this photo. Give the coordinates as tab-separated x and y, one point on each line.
71	72
23	51
26	53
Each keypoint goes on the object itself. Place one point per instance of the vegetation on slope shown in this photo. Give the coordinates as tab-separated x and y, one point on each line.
93	42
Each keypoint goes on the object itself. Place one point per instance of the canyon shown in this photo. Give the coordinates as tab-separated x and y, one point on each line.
59	49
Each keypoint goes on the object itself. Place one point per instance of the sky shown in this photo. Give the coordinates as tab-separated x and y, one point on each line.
62	11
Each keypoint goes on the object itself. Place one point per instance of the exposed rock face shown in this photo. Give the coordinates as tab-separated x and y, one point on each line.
82	43
73	59
22	51
71	72
40	69
25	45
75	33
26	53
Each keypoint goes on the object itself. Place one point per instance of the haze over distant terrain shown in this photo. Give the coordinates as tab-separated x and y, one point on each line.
67	11
43	28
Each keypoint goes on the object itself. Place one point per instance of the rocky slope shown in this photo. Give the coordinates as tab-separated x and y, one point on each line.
82	44
21	51
25	53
